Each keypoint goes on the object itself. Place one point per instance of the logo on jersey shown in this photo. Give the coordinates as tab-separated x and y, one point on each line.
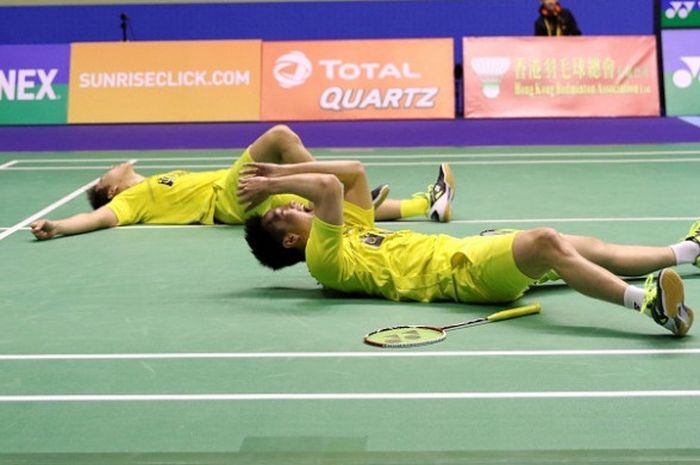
373	240
166	181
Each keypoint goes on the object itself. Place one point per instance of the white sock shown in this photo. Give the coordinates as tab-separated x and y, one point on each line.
634	297
686	252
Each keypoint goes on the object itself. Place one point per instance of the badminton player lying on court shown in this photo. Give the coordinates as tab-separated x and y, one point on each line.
344	250
123	197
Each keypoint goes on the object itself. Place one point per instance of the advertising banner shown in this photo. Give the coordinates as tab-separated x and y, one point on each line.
165	81
680	14
34	84
358	79
681	52
515	77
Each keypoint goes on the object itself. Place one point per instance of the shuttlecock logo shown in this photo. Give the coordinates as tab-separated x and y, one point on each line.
683	78
490	71
292	69
680	10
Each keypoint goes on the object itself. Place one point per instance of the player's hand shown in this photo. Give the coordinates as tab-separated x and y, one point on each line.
44	229
266	170
252	191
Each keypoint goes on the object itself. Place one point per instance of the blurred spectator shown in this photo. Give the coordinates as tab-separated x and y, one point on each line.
555	21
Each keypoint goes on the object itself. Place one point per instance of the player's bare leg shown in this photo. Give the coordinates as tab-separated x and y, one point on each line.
539	250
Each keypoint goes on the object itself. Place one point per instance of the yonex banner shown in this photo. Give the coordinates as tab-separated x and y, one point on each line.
33	84
681	52
680	13
358	79
165	81
567	77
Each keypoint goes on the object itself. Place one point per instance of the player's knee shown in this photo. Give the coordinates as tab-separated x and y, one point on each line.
550	244
282	134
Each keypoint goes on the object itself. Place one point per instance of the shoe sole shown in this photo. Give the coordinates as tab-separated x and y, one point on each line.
672	299
450	181
383	194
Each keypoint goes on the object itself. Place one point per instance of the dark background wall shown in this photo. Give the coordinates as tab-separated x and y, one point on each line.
312	20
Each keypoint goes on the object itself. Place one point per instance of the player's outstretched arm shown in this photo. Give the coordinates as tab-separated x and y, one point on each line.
324	190
350	172
101	218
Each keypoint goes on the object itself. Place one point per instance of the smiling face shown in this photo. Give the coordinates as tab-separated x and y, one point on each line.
291	223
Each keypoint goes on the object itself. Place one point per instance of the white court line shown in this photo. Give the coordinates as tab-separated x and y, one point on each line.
346	396
365	354
8	164
156	227
407	163
555	220
41	213
393	155
426	222
542	162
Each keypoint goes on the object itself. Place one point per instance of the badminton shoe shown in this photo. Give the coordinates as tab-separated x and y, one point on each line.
379	195
663	301
694	236
441	194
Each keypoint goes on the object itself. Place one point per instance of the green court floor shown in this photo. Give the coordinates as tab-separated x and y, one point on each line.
172	345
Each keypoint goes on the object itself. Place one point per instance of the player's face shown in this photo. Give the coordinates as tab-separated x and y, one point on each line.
292	218
116	175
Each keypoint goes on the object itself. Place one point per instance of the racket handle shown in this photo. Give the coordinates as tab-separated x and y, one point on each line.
515	312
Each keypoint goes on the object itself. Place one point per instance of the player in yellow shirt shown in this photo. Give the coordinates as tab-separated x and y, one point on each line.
123	197
345	251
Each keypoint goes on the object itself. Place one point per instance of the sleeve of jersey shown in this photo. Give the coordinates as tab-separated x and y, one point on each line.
126	208
324	251
358	216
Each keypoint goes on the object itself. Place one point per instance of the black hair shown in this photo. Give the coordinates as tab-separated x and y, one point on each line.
267	246
98	197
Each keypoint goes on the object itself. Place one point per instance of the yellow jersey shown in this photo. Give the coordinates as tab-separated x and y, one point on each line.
405	265
177	197
398	265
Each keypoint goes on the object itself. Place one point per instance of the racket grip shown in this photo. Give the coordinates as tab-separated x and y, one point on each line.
515	312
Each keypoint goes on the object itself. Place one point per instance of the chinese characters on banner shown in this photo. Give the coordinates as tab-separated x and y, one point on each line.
568	77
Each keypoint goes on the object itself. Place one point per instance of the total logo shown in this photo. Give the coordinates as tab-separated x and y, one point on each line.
680	10
683	78
293	69
27	84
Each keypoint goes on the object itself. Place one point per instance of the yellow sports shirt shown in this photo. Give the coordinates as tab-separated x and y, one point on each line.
177	197
405	265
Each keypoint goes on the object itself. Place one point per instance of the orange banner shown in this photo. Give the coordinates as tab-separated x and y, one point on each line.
165	81
358	79
567	76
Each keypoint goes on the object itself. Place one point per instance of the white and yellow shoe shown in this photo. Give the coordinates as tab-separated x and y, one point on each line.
664	302
441	194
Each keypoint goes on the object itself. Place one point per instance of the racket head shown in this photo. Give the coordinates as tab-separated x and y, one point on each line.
405	336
